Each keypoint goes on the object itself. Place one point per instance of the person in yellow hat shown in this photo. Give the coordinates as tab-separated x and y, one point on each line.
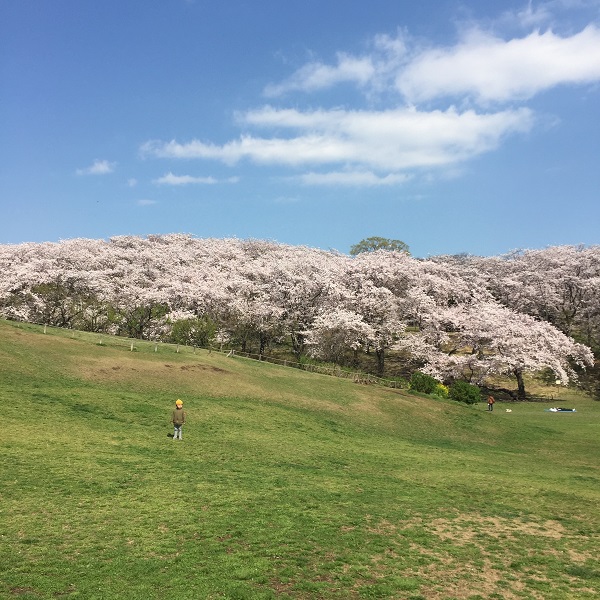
178	419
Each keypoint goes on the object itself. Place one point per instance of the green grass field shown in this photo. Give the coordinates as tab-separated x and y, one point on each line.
286	485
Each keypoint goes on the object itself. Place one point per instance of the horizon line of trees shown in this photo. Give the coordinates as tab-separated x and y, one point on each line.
452	317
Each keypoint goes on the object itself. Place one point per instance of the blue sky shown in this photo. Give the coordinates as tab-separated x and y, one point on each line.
455	126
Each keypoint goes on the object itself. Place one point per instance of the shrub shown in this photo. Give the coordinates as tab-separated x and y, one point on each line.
441	391
461	391
420	382
195	332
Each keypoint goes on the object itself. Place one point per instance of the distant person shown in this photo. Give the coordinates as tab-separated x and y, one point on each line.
491	403
178	419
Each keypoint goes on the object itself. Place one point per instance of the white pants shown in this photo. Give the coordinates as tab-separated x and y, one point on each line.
177	432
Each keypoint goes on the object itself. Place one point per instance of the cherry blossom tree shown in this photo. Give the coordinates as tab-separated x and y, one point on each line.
479	340
457	315
335	331
559	284
373	284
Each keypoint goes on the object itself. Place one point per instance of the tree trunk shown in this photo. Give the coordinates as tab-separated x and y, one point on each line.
263	345
297	344
520	385
380	361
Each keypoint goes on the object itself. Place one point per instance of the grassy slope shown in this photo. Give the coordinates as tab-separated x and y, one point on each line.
286	485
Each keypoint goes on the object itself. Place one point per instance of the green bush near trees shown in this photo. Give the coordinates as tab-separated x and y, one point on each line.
461	391
420	382
193	332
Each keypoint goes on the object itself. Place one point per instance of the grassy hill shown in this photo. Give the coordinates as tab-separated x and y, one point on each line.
286	485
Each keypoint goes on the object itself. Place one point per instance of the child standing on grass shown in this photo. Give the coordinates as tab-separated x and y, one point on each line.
491	402
178	419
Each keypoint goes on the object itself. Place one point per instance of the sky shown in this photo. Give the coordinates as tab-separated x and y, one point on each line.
455	126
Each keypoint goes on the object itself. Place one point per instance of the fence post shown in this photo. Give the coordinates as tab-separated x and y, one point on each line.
131	347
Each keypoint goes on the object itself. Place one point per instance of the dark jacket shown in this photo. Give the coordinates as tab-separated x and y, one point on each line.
178	416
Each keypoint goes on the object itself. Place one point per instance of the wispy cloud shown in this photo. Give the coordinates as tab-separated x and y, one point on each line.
529	15
98	167
170	179
552	14
316	75
390	140
353	179
146	202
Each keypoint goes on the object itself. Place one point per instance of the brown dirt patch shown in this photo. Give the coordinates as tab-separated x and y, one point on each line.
466	528
201	368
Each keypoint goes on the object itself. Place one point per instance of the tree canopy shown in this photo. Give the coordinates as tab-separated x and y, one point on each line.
453	318
371	244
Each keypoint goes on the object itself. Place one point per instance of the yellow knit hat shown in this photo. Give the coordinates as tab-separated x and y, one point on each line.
179	403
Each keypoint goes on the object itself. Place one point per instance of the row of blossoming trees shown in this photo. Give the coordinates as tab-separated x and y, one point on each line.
453	317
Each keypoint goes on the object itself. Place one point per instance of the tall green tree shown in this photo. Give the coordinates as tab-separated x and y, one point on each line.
195	332
371	244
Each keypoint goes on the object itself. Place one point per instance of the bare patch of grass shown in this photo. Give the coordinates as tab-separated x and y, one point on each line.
468	527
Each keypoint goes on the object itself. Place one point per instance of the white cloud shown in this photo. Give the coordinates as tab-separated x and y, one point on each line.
380	147
534	16
353	178
99	167
132	182
146	202
170	179
391	140
480	66
317	76
548	13
372	72
487	68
